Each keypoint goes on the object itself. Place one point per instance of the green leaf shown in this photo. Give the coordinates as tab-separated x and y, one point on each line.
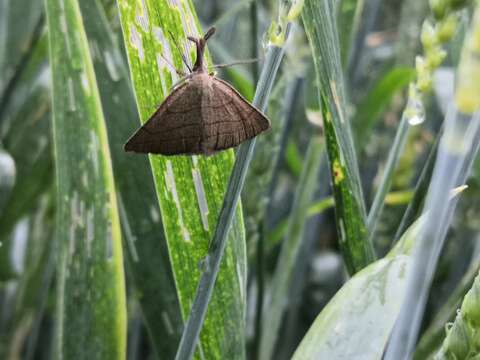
7	177
345	328
16	37
319	22
91	318
377	99
26	125
190	189
348	23
293	158
144	242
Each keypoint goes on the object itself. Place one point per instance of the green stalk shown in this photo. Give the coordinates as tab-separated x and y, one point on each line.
421	188
393	157
232	195
91	306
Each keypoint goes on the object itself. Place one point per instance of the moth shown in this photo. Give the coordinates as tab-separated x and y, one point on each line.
202	115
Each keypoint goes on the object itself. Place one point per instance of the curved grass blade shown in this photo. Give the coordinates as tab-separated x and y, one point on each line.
282	278
344	328
144	242
350	208
378	98
190	189
91	317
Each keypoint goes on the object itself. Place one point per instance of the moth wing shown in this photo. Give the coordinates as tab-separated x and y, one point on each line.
175	128
228	118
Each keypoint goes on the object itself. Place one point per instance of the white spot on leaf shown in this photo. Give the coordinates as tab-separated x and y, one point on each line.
136	41
202	199
172	187
141	17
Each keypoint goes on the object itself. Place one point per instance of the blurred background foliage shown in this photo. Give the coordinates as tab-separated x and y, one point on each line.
288	208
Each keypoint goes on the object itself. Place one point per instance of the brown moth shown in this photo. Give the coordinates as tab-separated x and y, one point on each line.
202	115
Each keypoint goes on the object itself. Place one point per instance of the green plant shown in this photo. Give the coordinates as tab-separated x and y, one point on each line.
268	251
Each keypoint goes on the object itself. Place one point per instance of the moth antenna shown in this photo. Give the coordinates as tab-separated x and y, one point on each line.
184	59
209	33
240	62
193	39
179	72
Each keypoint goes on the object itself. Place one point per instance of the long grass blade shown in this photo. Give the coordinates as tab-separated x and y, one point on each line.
344	328
393	157
144	242
190	190
91	317
369	109
350	208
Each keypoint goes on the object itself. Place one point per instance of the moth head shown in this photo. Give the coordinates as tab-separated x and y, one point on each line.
200	44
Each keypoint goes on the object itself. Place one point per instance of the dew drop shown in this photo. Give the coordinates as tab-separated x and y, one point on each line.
415	112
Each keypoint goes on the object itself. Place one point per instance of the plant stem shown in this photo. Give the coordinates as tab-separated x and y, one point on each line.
237	178
393	157
253	39
421	189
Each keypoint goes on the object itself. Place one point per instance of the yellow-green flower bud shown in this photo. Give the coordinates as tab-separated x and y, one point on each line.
424	78
471	304
456	344
295	9
276	34
428	35
435	57
446	28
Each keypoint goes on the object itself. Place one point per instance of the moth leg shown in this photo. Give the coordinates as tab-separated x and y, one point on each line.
184	59
179	72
